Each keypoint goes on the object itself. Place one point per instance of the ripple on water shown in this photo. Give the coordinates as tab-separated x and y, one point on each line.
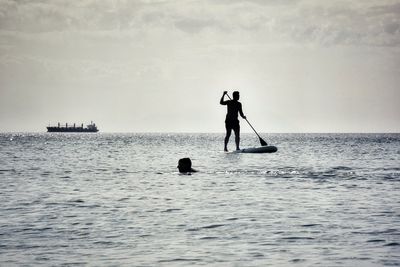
211	226
392	244
180	260
208	237
317	196
171	210
310	225
297	260
376	240
296	238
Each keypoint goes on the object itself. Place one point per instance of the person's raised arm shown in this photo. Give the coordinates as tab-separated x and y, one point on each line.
222	102
241	111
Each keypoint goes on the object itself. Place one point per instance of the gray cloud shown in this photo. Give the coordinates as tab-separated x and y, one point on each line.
257	2
337	23
191	25
390	8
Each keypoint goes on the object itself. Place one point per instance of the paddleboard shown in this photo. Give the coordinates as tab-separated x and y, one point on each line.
260	149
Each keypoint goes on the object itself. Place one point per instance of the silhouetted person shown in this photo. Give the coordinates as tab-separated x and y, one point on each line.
231	121
185	165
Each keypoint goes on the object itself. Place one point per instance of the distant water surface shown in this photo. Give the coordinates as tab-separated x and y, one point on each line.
117	199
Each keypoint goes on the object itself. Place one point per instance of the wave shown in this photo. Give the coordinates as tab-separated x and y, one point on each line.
211	226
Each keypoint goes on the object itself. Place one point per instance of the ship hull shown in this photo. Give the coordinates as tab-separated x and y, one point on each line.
70	130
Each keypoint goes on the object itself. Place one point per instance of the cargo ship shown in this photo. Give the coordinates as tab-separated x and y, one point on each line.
91	128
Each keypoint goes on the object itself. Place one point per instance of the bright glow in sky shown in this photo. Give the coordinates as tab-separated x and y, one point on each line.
161	66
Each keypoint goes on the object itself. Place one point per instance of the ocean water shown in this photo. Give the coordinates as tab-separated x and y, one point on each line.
118	200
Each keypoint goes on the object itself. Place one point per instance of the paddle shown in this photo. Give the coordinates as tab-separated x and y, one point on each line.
263	143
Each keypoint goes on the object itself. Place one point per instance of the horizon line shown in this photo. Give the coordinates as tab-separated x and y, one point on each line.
189	132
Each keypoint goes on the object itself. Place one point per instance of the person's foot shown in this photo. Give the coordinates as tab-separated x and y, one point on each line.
237	148
225	149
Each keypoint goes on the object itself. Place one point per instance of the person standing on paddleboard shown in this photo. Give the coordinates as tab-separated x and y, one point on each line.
231	121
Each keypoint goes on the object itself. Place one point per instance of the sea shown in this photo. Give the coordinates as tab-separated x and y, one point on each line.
117	199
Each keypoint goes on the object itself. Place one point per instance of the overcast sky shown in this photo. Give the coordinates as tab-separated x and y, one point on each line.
161	66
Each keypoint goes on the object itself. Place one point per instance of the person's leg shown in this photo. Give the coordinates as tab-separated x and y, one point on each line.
228	134
237	137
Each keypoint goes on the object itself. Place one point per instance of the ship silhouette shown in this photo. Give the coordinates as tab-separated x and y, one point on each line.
91	128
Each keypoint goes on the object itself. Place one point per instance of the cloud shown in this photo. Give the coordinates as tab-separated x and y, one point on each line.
367	23
339	23
257	2
193	25
388	9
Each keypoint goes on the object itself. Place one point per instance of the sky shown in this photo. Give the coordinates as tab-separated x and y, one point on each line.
161	66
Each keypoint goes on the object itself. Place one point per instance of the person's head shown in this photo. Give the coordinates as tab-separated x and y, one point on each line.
235	95
185	165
